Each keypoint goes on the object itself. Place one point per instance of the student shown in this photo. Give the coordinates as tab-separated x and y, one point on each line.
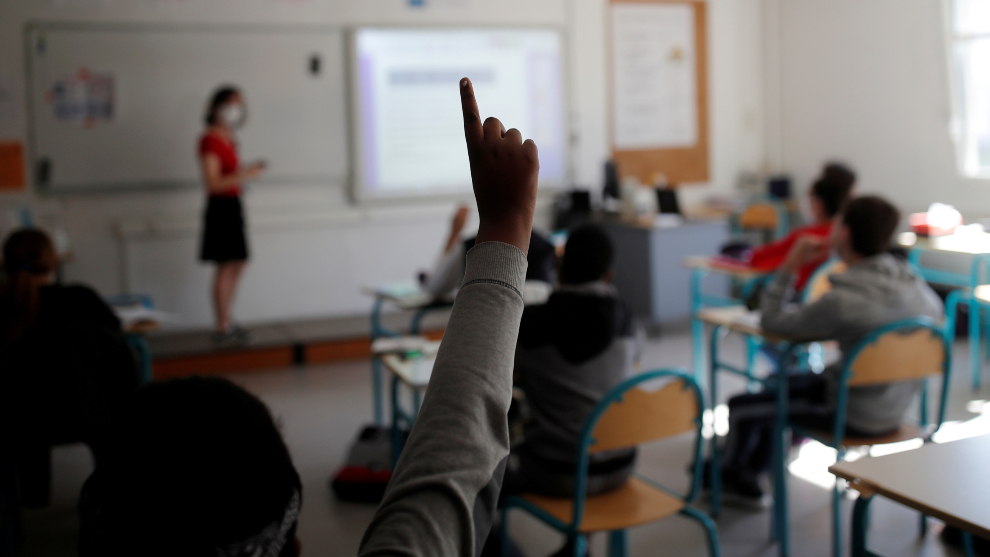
65	363
876	289
572	351
442	495
449	270
827	196
192	467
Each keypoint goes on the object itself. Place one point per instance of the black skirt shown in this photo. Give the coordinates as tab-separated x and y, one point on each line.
224	238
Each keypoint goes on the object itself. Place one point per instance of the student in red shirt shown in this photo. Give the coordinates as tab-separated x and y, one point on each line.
827	196
224	238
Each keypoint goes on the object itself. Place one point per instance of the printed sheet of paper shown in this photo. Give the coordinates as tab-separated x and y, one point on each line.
655	80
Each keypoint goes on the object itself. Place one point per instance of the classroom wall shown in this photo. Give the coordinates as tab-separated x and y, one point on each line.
312	249
867	81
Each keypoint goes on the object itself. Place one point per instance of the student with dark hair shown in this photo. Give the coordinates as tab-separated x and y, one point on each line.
224	236
448	272
572	351
65	363
877	289
192	467
827	195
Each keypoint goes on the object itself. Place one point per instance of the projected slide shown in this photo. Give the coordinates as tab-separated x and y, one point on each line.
410	129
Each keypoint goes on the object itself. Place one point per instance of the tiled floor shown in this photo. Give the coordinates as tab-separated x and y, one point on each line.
321	408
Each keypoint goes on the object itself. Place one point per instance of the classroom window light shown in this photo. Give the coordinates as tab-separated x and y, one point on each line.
970	63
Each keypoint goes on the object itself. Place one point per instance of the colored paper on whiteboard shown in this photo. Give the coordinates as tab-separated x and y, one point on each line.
11	165
85	98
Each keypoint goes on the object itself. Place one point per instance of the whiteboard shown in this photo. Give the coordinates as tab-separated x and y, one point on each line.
137	124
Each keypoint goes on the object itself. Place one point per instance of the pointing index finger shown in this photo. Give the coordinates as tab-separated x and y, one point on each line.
473	131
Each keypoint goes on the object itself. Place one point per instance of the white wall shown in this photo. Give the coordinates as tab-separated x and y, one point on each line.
312	250
866	81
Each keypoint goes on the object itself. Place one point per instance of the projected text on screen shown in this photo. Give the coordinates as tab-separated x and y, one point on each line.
411	134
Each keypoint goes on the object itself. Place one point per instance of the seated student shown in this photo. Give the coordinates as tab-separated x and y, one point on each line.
65	363
442	495
449	270
827	196
572	351
876	289
192	467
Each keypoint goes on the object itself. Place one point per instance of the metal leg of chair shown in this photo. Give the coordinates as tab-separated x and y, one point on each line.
698	349
396	429
376	390
968	548
580	545
715	469
617	543
752	349
504	532
836	520
860	526
922	525
779	524
974	342
711	532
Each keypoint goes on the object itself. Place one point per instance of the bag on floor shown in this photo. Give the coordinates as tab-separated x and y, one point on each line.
365	475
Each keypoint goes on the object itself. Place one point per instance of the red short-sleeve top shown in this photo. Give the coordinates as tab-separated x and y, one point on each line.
226	151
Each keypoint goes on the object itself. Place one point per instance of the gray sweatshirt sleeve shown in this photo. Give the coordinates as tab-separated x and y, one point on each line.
819	320
441	498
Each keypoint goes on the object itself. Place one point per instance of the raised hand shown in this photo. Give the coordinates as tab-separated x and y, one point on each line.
504	171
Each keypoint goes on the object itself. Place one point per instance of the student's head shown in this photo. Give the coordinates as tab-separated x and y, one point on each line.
29	262
193	465
587	256
226	108
830	192
865	228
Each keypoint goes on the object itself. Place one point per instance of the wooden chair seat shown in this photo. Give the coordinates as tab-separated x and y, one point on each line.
633	504
905	432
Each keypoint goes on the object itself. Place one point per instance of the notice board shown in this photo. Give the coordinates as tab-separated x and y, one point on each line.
659	89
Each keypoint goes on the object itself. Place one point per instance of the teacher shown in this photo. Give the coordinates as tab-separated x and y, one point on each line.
224	238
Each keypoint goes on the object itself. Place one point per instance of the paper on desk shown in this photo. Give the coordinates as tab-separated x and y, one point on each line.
748	319
404	345
133	314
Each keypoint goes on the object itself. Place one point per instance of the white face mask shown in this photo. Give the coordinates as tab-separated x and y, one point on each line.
232	115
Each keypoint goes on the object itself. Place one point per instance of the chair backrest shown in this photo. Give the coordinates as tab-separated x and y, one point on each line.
819	284
909	349
633	416
759	216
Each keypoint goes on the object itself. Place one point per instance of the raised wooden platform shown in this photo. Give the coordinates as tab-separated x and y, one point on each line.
182	354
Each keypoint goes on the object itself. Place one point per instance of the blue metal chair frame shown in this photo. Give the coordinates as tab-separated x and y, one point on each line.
965	293
400	417
618	538
839	426
700	300
378	330
139	345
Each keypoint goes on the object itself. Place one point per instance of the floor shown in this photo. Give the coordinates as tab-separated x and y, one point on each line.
320	408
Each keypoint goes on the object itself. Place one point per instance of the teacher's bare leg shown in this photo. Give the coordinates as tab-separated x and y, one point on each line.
224	287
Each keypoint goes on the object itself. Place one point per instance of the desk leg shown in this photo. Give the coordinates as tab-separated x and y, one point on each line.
715	468
396	425
968	548
975	341
376	390
860	525
697	328
779	523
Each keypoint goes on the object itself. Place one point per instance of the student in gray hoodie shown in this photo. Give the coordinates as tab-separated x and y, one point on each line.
877	289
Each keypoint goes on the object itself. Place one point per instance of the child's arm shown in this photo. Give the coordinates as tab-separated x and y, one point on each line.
441	499
817	320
